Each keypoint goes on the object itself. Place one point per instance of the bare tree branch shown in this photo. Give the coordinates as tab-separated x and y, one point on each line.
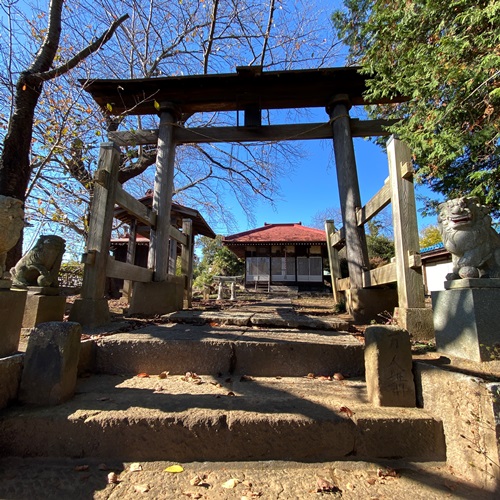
83	54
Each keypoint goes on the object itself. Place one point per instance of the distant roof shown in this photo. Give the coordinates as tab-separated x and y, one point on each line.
278	234
178	212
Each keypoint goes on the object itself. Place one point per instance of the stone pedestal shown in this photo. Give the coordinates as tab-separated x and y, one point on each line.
388	367
467	319
51	364
90	312
12	305
365	304
43	305
158	297
416	320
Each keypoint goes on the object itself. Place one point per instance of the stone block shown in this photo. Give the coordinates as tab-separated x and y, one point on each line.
90	312
12	305
51	364
469	407
466	322
10	377
365	304
388	367
416	320
157	297
43	308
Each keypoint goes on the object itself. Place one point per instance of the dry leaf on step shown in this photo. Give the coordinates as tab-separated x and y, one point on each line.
135	467
142	488
347	411
113	478
174	469
230	483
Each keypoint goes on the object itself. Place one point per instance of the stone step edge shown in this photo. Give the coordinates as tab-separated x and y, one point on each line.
255	319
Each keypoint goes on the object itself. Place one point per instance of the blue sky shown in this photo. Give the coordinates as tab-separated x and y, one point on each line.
312	186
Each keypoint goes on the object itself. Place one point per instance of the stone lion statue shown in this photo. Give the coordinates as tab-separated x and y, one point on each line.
465	227
40	266
11	225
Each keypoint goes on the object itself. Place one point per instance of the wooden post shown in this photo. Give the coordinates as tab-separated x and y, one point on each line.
131	249
333	258
92	309
162	194
411	313
350	199
404	214
187	261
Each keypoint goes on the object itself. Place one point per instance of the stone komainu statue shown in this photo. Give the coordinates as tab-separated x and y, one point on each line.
40	266
11	225
465	227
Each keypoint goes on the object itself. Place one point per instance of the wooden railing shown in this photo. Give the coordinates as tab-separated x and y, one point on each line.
398	190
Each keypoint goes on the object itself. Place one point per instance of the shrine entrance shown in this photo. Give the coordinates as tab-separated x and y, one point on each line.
250	91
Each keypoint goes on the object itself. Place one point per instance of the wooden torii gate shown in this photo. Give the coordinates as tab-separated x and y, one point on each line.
250	91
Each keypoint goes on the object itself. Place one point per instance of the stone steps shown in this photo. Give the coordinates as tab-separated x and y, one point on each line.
213	349
228	418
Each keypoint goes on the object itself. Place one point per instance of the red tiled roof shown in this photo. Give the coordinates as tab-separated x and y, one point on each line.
277	233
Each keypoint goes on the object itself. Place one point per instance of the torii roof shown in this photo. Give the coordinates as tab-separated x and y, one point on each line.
230	92
278	234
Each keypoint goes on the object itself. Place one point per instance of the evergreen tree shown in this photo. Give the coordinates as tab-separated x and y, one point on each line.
445	57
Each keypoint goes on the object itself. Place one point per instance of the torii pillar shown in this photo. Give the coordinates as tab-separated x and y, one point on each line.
362	304
161	295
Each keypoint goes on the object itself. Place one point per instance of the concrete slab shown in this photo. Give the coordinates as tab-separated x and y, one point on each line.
210	418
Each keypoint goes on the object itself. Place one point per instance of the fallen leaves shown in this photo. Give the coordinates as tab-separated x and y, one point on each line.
199	480
142	375
135	467
113	478
347	411
325	486
174	469
164	374
338	376
387	472
192	378
230	483
142	488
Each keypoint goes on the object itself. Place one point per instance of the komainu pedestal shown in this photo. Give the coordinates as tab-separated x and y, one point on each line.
12	305
43	304
467	319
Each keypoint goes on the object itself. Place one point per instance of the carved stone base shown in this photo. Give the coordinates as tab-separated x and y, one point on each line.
11	311
43	308
466	322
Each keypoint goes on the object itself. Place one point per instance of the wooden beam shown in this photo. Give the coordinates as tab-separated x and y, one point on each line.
337	240
134	207
125	271
380	276
176	235
375	205
268	133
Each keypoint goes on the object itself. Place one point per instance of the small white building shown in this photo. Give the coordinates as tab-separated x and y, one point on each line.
436	264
